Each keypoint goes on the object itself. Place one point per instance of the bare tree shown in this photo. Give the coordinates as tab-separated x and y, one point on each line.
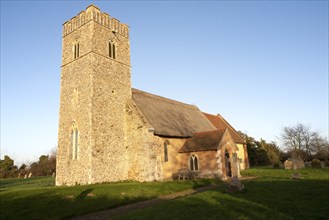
293	138
307	137
319	146
302	141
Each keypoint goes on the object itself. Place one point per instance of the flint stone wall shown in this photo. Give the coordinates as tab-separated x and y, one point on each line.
94	92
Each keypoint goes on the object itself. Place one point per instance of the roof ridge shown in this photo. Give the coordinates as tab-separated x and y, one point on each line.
172	101
226	122
220	116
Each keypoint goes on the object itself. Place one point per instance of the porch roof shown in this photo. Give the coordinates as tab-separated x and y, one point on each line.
203	141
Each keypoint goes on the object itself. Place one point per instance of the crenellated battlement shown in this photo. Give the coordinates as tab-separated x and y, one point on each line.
93	13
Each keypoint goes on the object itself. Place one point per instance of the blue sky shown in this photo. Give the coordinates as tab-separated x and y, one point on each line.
261	64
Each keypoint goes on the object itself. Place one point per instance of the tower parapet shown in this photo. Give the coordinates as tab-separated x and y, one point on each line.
93	13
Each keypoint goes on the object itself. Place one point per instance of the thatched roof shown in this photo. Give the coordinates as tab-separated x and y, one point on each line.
221	124
203	141
170	118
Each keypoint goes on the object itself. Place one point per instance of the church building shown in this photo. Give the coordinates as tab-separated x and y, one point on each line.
109	131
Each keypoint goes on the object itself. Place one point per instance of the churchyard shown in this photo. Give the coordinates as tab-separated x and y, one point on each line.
273	194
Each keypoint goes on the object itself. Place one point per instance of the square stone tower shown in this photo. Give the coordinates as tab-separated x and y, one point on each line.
95	86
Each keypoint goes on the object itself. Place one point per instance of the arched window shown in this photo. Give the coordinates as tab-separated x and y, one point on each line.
165	150
76	50
112	49
74	142
194	163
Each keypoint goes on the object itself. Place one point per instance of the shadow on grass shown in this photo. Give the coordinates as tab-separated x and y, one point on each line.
207	205
84	194
63	202
285	199
203	182
279	198
56	205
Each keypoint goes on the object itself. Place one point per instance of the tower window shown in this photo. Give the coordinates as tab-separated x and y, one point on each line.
193	162
112	49
75	143
76	50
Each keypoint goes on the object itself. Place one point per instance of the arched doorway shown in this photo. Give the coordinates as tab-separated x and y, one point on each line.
228	170
228	158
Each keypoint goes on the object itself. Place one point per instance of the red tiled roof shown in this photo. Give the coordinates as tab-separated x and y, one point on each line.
221	124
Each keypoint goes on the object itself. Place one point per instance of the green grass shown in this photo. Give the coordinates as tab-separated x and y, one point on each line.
273	195
13	183
38	198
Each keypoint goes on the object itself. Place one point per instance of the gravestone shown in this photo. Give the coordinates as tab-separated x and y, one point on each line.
289	163
295	175
235	166
235	185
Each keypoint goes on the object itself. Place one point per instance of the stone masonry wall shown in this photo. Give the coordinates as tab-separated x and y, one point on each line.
93	13
75	108
94	92
111	89
139	142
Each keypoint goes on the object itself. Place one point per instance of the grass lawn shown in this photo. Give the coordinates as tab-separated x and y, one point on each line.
273	195
38	198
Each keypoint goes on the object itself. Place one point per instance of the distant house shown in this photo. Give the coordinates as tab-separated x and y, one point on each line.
109	131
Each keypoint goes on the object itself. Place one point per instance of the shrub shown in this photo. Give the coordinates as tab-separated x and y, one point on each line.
327	163
276	165
316	163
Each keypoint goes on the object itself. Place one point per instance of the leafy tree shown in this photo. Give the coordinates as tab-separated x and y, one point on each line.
261	153
272	151
7	167
44	167
22	167
22	170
